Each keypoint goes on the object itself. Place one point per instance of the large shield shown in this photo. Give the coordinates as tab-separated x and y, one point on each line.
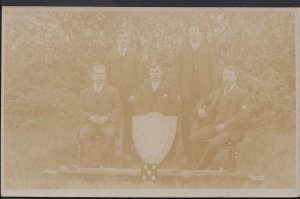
153	136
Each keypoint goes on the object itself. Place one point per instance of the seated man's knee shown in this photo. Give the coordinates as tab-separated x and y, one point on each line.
85	132
215	144
192	139
200	135
109	131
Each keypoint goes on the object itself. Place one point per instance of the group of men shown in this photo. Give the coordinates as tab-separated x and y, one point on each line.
120	91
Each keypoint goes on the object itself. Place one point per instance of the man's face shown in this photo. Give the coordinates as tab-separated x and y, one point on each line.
155	74
99	75
194	34
229	77
123	40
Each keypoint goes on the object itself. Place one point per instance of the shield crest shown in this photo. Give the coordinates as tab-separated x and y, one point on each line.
153	136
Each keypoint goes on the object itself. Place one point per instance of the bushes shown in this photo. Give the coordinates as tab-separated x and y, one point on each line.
47	55
272	99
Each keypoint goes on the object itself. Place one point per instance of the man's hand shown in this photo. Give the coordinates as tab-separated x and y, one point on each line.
219	127
98	119
131	99
202	113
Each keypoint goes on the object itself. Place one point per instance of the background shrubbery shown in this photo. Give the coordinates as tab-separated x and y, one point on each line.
47	55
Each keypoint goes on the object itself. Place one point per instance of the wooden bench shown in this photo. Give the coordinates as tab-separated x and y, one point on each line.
99	140
232	155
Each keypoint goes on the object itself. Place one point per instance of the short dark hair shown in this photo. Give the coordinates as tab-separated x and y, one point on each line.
123	31
96	67
154	65
192	25
231	68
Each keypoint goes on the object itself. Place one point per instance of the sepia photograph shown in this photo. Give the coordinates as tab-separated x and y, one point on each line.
149	102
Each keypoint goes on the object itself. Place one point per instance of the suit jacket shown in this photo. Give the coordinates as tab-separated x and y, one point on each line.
164	97
124	72
206	71
105	103
234	110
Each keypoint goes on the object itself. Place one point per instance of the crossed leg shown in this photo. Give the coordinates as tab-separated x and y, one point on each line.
205	151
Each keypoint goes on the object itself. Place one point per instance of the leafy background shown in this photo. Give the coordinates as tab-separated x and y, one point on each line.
46	56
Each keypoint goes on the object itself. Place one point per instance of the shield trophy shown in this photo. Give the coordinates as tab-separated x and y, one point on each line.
153	136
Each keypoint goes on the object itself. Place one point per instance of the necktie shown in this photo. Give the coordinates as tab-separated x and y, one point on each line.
122	51
98	88
154	86
226	90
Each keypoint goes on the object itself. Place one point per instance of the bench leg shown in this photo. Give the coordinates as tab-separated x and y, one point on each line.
79	153
233	158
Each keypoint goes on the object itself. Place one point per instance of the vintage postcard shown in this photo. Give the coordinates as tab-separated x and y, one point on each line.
150	102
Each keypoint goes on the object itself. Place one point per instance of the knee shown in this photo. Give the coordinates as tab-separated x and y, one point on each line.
192	139
110	131
84	133
198	136
213	145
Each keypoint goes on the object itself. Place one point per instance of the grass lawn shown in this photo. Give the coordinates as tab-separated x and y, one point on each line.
28	150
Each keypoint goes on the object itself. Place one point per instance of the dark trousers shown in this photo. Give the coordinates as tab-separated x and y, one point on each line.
127	127
95	153
188	108
205	152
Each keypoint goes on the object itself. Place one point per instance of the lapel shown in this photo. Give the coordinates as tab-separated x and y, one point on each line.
232	92
160	88
119	57
199	54
92	96
149	86
189	50
215	99
103	90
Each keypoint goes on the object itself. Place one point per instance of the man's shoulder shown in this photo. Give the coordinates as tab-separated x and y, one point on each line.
133	51
145	83
183	47
167	84
112	51
217	90
111	88
241	90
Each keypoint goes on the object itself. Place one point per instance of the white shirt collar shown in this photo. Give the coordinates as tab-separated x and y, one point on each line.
155	85
228	90
122	51
195	45
97	87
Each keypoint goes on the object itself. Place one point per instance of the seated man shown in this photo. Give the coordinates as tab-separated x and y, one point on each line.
225	112
156	94
100	110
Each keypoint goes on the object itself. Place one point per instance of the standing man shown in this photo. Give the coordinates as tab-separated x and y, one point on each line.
196	77
100	111
124	70
226	111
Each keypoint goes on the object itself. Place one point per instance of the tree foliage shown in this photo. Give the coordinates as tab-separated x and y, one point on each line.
47	54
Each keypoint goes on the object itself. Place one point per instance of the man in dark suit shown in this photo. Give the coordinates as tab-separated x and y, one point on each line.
156	94
100	111
124	73
225	112
196	77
